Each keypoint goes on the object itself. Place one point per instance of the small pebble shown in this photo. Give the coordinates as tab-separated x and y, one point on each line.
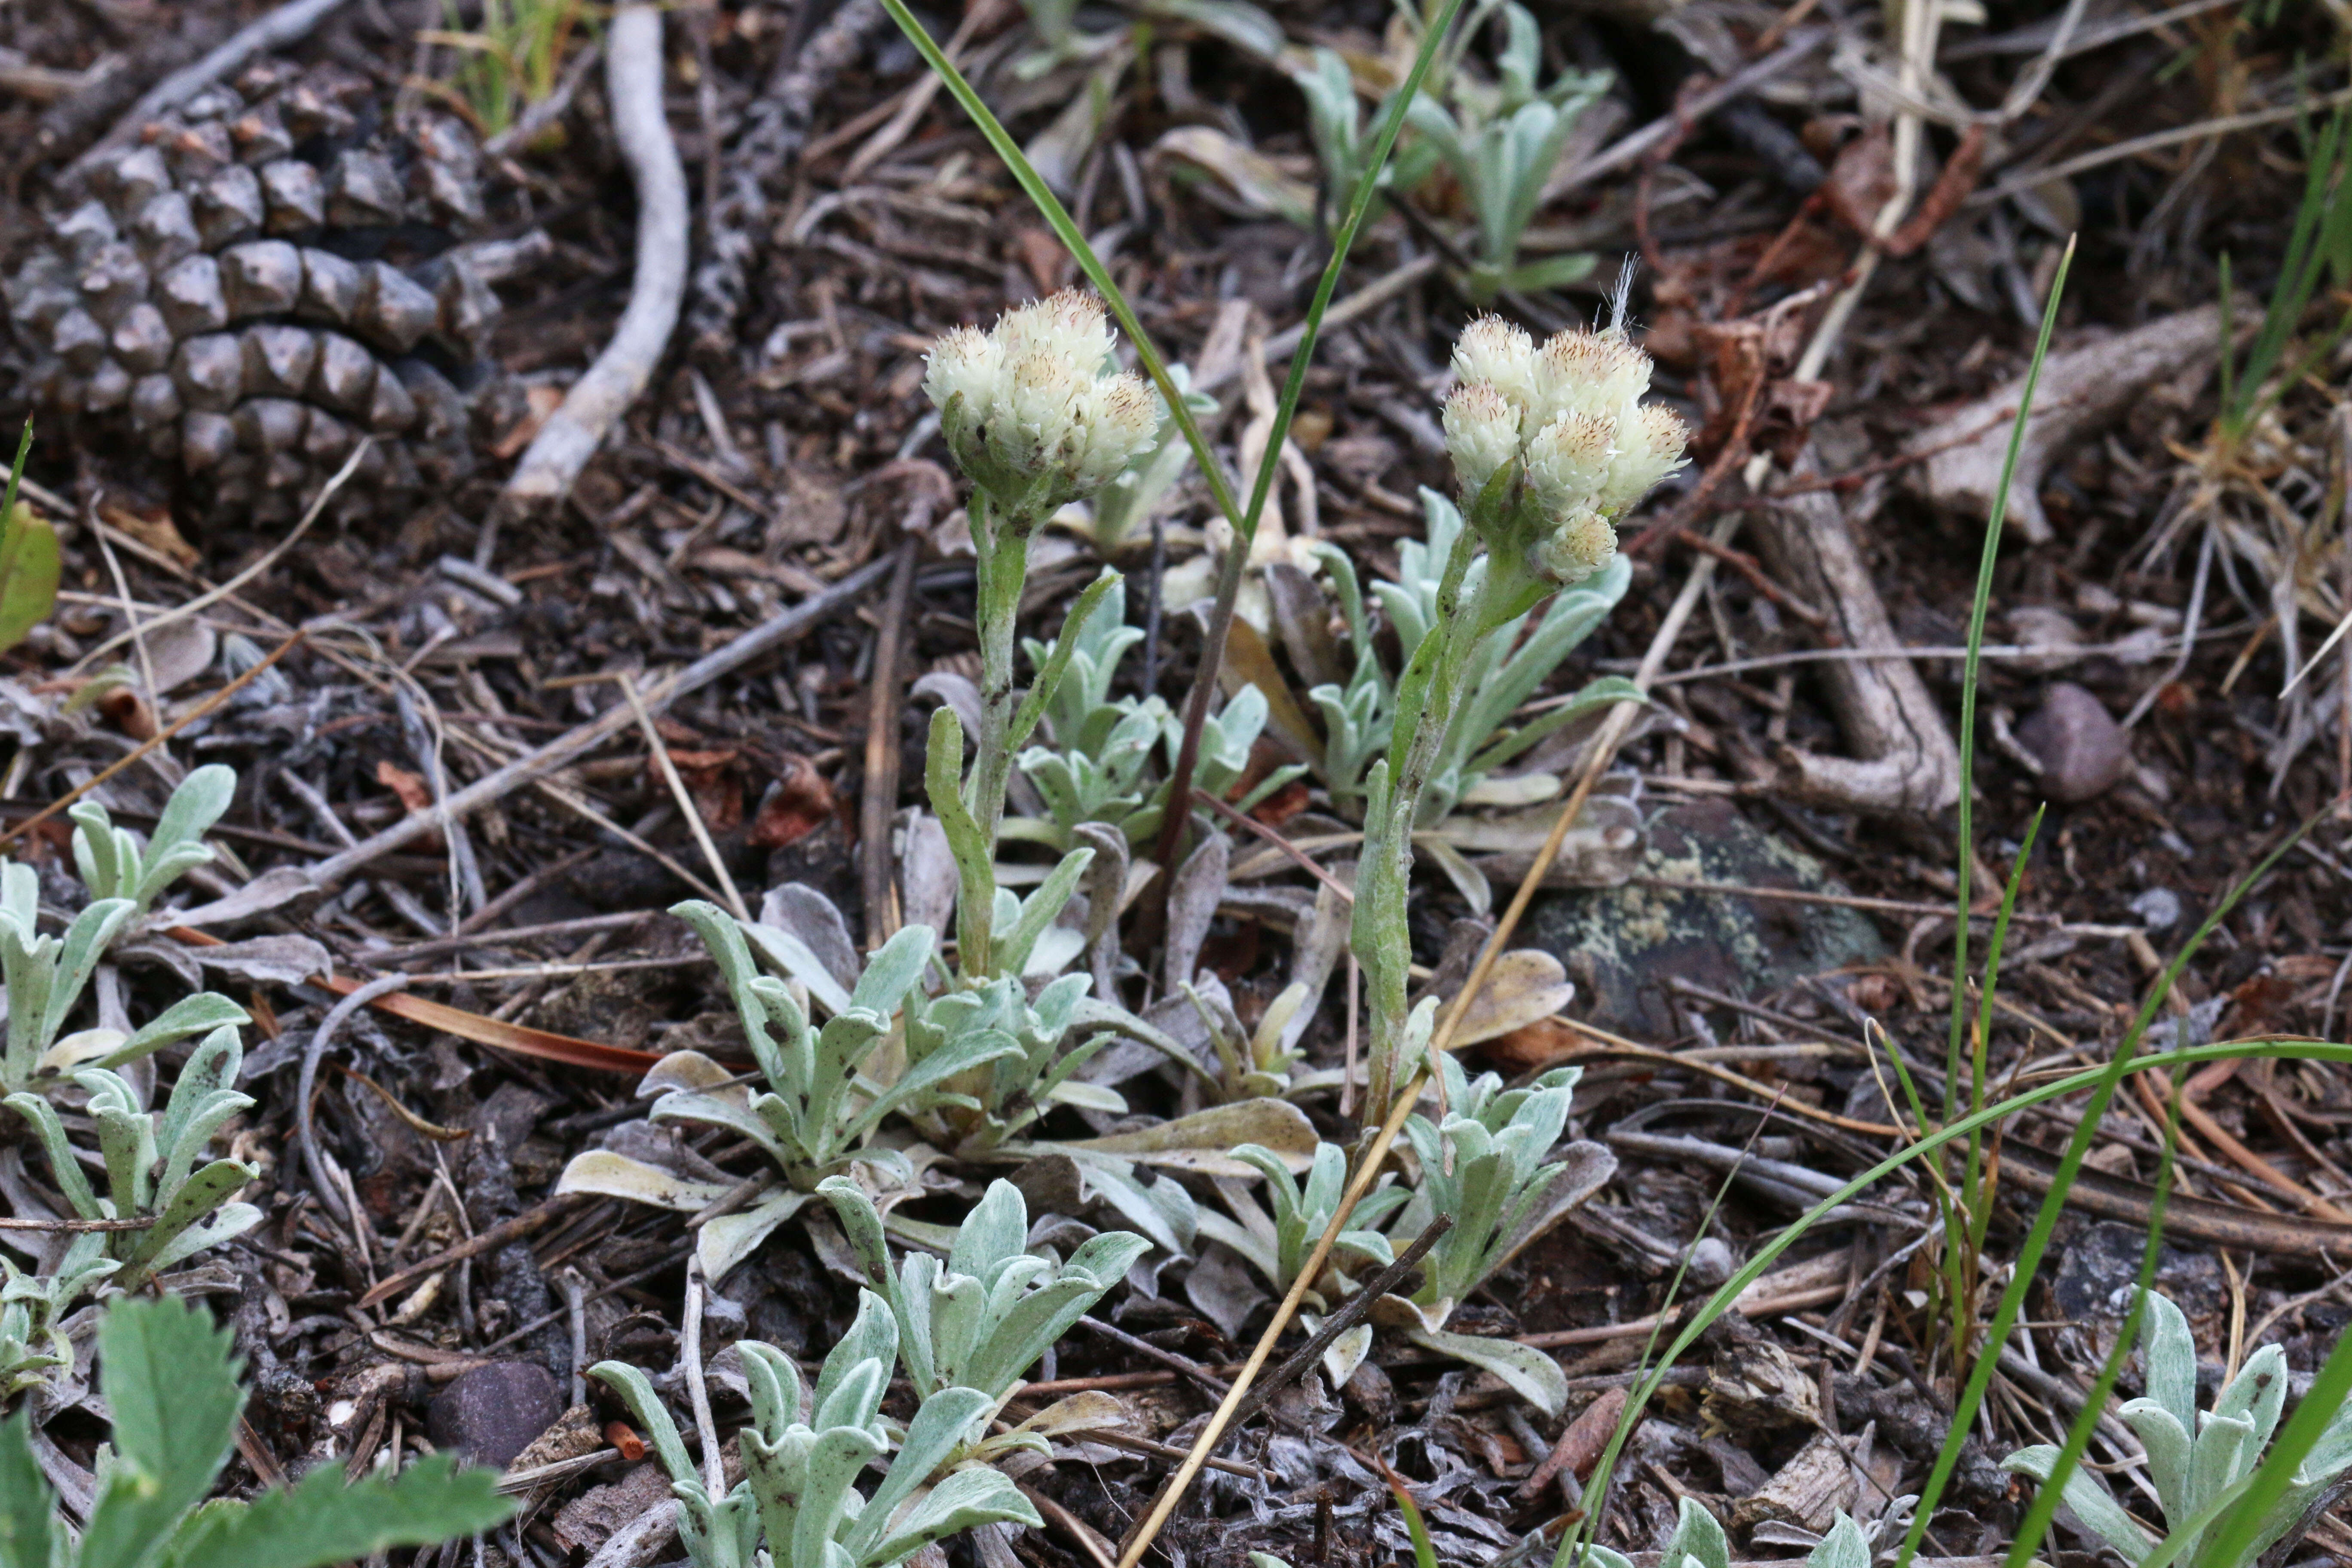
493	1412
2083	751
2158	908
1711	1261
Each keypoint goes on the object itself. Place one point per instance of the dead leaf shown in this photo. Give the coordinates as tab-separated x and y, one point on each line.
540	402
1538	1047
1250	179
412	789
154	528
1192	900
1043	255
1861	181
1525	985
800	804
713	781
1199	1141
128	710
1248	662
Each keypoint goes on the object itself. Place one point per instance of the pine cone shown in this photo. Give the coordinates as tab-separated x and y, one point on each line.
264	278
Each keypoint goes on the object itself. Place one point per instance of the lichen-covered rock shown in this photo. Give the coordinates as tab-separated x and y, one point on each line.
1622	945
263	279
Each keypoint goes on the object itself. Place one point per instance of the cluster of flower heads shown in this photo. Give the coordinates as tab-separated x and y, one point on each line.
1568	421
1028	410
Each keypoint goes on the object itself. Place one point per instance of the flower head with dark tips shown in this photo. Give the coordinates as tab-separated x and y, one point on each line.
1028	410
1566	425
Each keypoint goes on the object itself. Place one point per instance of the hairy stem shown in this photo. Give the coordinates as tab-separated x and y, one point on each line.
1429	698
1001	540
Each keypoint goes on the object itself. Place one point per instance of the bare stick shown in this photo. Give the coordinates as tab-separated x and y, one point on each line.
762	639
1628	149
878	801
692	813
286	24
1350	1312
321	1037
633	80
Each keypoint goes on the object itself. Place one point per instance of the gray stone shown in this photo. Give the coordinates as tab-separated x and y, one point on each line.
493	1413
1621	945
2083	753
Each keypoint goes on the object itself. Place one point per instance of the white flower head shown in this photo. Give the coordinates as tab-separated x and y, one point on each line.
1491	350
1592	372
965	363
1482	432
1580	545
1027	409
1121	419
1568	461
1071	324
1650	446
1571	413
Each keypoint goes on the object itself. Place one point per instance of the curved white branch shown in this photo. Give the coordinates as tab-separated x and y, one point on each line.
633	80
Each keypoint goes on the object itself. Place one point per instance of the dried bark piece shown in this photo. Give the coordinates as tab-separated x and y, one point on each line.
2081	390
154	404
109	387
227	208
364	191
330	287
83	231
278	360
206	439
392	309
344	376
165	229
141	339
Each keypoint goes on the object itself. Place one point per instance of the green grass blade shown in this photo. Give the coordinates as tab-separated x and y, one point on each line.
2036	1523
1980	1212
1971	671
1065	229
1771	1251
2104	1083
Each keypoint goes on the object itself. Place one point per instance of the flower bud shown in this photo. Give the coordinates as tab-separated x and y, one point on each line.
965	363
1027	410
1569	459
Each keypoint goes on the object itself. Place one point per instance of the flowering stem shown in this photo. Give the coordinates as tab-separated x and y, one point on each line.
1001	541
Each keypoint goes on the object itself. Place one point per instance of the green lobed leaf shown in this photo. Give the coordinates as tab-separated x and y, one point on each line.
172	1390
323	1519
27	1528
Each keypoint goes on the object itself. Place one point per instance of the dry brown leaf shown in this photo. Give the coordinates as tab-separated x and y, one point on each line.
799	805
152	528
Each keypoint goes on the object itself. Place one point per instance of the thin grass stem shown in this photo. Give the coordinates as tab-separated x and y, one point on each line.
1229	574
2036	1523
1066	230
